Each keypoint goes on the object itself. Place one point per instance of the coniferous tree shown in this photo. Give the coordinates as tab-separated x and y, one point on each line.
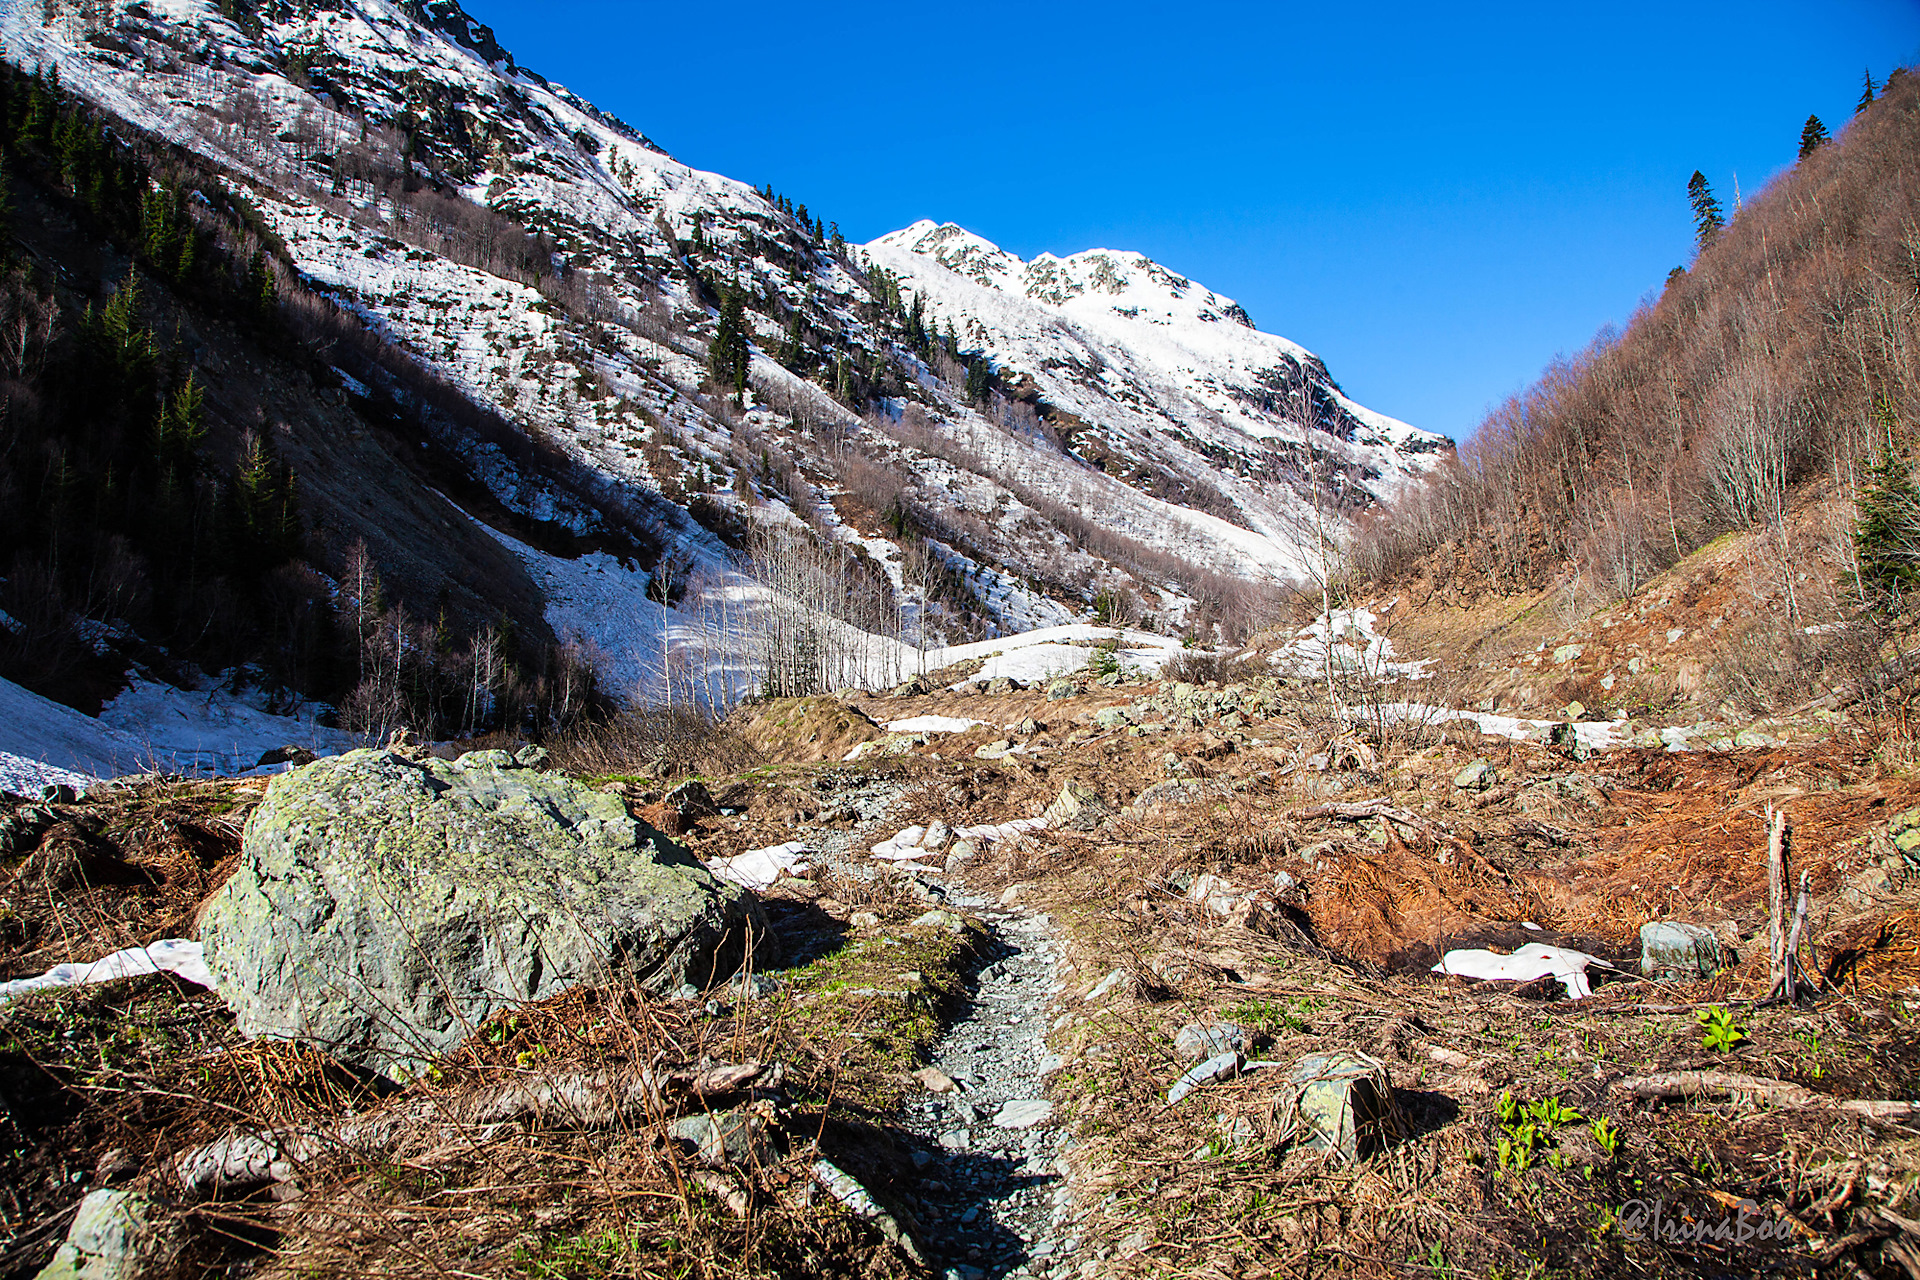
729	354
1866	92
1707	218
1813	136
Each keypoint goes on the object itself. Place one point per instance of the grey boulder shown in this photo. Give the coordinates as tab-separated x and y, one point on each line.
1674	950
385	907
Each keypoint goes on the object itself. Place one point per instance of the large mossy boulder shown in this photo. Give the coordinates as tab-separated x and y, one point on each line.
384	907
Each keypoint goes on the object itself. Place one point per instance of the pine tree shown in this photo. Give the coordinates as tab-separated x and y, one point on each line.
1813	136
729	354
261	285
1866	92
1707	218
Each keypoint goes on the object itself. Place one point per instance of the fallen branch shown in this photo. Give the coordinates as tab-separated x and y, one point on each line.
245	1159
1379	808
1775	1093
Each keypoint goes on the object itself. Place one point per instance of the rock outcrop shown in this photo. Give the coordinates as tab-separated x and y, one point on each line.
385	907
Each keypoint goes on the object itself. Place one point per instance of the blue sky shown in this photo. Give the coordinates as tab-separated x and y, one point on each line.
1437	199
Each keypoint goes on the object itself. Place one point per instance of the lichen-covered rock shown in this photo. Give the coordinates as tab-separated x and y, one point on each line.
385	907
1674	950
1076	808
116	1235
1342	1102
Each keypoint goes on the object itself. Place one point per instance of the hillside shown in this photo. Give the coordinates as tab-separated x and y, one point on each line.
1748	409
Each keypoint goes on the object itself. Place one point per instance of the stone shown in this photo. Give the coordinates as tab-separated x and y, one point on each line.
1477	776
1576	709
1110	718
1753	738
941	920
1567	653
998	749
1001	685
723	1138
1673	950
532	757
384	907
691	801
864	920
1028	727
1023	1113
1115	981
1059	691
1222	897
292	755
1223	1066
116	1235
1077	808
934	1080
1341	1102
1908	820
938	836
1908	841
1196	1041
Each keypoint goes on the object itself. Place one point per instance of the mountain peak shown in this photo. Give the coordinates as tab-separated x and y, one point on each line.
1122	282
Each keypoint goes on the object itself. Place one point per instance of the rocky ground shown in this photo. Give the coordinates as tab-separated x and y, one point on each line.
964	1058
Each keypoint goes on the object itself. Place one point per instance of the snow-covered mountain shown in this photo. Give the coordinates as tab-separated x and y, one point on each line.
1002	441
1169	382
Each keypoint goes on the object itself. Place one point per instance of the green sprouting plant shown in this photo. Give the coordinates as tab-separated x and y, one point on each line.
1607	1134
1551	1113
1434	1260
1717	1029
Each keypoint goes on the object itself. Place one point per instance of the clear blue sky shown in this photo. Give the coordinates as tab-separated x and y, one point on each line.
1437	199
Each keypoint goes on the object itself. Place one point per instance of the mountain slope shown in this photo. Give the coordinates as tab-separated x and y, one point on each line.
1106	429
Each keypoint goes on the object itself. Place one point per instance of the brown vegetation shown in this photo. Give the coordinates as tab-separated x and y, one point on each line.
1758	369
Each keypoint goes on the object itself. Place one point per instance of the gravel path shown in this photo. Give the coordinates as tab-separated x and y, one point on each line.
995	1198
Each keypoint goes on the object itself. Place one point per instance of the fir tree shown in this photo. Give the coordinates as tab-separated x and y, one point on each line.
1813	136
1707	218
1866	92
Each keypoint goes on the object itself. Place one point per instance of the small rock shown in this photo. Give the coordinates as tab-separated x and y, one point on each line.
1576	709
1013	893
1567	653
532	757
1059	691
1342	1102
729	1137
1223	1066
1023	1113
938	836
1110	718
1677	951
864	920
1077	808
1028	727
1109	984
956	1139
1477	776
998	749
295	756
116	1235
941	920
1196	1041
934	1080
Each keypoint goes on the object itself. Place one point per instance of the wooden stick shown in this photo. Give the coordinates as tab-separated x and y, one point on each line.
1777	1093
1777	883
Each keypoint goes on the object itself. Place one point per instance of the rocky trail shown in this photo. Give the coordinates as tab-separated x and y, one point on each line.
993	1198
996	1195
